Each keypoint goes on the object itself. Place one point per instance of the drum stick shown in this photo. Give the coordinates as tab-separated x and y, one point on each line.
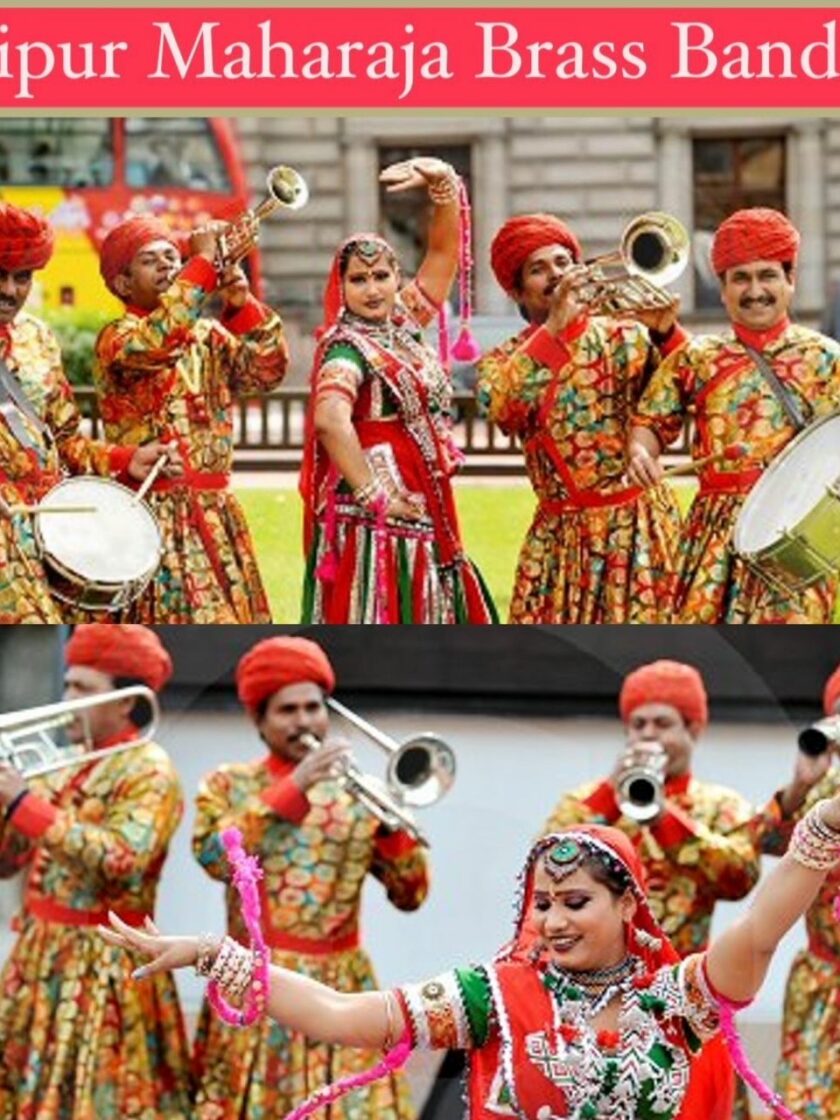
732	453
148	482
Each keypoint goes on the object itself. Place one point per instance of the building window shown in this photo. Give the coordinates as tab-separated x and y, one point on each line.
730	173
404	215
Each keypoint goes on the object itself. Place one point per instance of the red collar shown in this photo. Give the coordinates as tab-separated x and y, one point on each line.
279	767
759	340
126	736
678	785
140	312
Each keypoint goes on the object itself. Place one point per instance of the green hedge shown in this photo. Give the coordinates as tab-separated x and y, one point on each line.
76	332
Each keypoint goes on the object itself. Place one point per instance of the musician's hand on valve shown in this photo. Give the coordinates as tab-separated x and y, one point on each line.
657	319
566	305
328	761
807	771
12	783
233	287
204	242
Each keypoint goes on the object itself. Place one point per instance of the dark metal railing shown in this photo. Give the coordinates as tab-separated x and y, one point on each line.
269	432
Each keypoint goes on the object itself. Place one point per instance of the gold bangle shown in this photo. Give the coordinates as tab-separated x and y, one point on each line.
208	947
390	1039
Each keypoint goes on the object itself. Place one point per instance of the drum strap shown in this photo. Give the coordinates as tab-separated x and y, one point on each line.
790	406
14	405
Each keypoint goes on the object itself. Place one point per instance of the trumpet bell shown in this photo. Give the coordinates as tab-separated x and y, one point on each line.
816	739
421	771
287	187
656	245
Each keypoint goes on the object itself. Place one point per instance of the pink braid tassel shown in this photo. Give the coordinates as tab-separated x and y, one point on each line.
246	875
466	348
390	1063
742	1063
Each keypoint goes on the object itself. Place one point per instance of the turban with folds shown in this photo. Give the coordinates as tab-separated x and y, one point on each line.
126	240
832	692
26	240
277	662
758	234
666	682
521	236
121	650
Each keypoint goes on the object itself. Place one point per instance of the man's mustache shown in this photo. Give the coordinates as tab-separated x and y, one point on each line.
762	301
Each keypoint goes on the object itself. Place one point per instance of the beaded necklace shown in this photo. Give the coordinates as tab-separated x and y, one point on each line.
592	990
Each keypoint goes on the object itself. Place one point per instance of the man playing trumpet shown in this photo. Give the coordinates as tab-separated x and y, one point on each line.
79	1039
166	371
719	381
39	420
316	845
692	857
597	550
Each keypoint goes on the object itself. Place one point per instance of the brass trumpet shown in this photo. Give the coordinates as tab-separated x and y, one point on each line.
419	773
653	251
817	738
640	789
287	190
30	739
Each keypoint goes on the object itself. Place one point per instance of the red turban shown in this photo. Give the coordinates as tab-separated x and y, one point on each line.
666	682
519	237
758	234
277	662
832	692
120	650
126	240
26	240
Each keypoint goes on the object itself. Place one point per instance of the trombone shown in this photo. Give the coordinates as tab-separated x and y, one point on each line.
419	772
653	252
30	740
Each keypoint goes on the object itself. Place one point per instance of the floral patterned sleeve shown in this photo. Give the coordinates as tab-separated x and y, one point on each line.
664	402
15	850
453	1011
130	833
683	991
399	863
255	355
511	382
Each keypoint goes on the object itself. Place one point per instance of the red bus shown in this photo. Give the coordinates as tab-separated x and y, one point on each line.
88	174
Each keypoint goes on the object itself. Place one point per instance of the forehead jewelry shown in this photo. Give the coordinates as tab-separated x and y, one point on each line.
563	858
368	251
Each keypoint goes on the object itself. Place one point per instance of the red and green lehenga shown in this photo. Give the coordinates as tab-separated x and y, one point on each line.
360	566
715	380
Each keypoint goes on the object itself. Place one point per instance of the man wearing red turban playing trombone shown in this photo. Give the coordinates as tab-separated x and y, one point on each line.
754	386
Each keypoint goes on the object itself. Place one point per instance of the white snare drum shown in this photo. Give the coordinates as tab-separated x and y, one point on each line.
789	526
100	560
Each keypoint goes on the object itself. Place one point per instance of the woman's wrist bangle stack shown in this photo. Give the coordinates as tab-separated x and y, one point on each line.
233	968
815	844
366	495
444	190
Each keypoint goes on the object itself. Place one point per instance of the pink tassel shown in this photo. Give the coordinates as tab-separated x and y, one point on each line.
466	348
246	874
836	907
380	545
391	1062
742	1063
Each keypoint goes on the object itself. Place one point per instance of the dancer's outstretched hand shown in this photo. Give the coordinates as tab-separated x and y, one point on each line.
166	953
